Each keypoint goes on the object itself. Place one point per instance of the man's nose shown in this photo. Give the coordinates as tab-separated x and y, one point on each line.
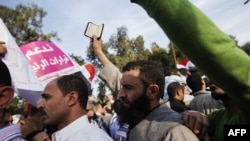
40	104
121	93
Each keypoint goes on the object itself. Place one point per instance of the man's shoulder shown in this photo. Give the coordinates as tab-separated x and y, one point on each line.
202	93
166	130
11	132
86	131
180	132
164	113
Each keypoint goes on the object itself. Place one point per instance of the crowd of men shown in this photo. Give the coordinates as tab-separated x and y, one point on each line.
139	112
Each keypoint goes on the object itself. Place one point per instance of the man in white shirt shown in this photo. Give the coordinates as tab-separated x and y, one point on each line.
64	102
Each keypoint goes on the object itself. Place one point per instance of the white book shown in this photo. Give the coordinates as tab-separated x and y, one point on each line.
94	29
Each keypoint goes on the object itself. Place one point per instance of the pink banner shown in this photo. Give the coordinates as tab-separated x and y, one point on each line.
45	57
48	61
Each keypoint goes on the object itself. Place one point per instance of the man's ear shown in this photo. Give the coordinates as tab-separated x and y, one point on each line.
6	97
153	91
179	92
72	98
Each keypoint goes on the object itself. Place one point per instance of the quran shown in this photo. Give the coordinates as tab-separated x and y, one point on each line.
93	29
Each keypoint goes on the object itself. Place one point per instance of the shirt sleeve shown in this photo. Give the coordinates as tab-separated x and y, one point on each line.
111	75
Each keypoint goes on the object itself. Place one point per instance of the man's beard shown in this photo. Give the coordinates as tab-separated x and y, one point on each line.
137	111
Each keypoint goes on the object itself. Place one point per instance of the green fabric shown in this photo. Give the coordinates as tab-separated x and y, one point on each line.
211	50
219	118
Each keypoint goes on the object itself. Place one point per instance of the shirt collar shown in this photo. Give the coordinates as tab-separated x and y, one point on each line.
70	129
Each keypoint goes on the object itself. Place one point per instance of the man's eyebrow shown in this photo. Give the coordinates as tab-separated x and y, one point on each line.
45	94
127	85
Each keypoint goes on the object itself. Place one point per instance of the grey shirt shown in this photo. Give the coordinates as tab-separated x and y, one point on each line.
205	103
111	75
162	124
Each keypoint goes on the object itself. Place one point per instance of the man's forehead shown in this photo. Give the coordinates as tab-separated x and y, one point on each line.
130	74
52	85
130	79
134	72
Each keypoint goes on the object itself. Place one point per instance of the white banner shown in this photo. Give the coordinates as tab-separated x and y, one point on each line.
25	82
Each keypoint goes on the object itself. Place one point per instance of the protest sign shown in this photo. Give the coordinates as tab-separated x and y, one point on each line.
48	61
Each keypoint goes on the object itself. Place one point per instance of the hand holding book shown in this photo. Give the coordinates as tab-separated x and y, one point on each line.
94	29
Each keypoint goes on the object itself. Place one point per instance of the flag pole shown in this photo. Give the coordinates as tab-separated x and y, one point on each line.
173	53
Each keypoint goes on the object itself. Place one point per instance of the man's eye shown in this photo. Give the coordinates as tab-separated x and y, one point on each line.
45	96
127	87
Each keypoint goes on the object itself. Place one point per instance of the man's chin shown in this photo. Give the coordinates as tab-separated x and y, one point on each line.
133	112
125	105
45	119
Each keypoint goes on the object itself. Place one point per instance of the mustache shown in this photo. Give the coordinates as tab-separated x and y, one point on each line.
123	100
40	112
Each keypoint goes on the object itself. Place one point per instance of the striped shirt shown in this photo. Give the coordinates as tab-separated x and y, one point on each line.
121	133
11	133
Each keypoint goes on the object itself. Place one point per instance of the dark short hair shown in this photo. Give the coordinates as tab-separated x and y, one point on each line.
149	72
194	82
5	77
69	83
173	88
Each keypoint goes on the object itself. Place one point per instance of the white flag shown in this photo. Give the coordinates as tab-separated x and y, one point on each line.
25	82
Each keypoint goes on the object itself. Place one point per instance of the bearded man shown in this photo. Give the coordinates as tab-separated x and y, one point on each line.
142	86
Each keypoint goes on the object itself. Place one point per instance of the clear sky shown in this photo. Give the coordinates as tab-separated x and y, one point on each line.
69	18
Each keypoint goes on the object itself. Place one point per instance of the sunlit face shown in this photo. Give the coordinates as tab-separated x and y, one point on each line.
132	87
54	105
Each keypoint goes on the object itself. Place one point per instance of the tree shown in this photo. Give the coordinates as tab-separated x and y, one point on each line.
246	47
161	56
25	23
102	91
175	54
78	59
121	49
235	40
17	106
